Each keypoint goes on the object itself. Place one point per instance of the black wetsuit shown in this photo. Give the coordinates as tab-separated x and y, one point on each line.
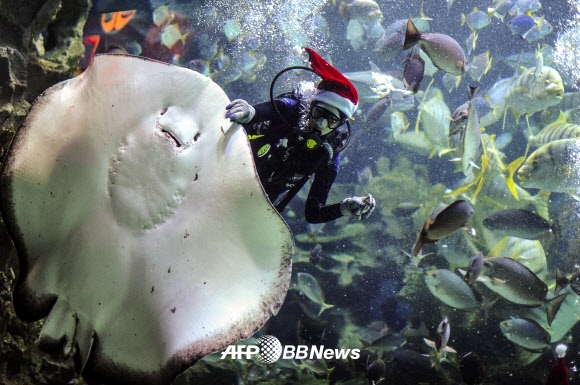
284	163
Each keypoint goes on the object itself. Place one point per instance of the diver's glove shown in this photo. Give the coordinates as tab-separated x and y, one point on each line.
240	111
360	207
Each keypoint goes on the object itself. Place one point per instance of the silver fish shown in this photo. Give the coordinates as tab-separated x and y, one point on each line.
526	333
529	93
378	109
310	287
543	28
518	223
558	129
442	336
501	8
554	167
480	65
477	19
390	44
440	346
434	118
451	289
444	223
518	284
471	144
444	51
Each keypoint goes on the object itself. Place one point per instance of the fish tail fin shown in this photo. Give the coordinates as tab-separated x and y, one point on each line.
541	202
323	307
510	170
420	240
457	81
471	90
417	246
184	38
412	35
553	305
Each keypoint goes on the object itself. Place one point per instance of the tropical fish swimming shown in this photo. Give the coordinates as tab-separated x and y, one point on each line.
471	143
474	268
413	73
443	50
554	167
309	286
444	223
451	289
531	92
518	284
439	346
526	333
518	223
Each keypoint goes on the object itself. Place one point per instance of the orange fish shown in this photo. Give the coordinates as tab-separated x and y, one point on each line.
116	21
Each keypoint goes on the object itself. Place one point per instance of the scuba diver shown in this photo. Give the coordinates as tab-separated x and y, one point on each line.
302	133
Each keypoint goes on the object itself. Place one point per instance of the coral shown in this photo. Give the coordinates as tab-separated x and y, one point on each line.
29	64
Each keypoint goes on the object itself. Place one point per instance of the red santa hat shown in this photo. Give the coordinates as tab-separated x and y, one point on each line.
334	89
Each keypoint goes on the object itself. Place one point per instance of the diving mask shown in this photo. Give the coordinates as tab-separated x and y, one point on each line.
332	121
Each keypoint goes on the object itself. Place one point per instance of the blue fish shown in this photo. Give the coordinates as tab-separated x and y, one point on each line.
522	24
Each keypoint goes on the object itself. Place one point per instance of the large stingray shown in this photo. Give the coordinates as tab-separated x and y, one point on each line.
143	234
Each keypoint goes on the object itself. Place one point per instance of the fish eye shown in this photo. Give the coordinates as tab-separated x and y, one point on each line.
535	162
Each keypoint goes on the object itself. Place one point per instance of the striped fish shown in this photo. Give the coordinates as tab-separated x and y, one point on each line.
531	92
556	130
435	118
553	167
570	101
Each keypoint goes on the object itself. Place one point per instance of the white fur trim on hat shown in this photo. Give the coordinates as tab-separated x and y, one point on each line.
333	99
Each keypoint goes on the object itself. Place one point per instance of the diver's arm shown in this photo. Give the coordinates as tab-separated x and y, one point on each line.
316	210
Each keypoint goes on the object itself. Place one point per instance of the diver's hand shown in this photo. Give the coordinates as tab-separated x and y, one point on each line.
240	111
360	207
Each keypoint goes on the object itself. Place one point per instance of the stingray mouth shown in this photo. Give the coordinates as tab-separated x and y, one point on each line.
167	132
169	135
